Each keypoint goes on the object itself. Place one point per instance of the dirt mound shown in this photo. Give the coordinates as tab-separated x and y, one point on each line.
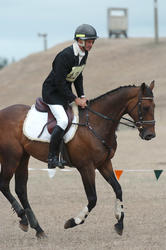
111	63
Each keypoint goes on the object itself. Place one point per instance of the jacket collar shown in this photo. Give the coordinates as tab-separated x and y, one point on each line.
77	50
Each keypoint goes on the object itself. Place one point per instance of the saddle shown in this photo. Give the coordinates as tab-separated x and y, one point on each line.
41	106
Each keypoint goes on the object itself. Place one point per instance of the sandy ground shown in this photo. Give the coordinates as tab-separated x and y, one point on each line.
111	63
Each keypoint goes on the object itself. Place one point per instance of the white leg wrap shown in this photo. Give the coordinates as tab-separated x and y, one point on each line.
81	216
118	209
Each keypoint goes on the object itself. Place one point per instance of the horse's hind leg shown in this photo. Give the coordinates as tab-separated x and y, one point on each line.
88	178
5	177
21	178
108	173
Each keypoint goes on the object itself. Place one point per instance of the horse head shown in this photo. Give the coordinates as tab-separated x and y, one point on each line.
141	109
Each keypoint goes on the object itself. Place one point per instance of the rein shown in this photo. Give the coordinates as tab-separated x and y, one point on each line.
110	118
87	124
137	124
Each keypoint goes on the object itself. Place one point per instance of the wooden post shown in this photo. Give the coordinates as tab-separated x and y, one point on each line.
156	21
44	40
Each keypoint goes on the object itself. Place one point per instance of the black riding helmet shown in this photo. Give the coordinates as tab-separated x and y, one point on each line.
85	32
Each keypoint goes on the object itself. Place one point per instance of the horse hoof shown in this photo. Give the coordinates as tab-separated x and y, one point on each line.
118	228
41	235
70	223
23	227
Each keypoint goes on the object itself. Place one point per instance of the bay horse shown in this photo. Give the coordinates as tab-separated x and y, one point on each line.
92	148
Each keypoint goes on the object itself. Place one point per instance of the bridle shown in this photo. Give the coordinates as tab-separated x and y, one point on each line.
135	124
139	124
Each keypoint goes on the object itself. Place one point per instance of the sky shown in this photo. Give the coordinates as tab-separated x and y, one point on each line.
21	21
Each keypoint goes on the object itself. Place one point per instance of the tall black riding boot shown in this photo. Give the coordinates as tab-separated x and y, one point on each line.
55	141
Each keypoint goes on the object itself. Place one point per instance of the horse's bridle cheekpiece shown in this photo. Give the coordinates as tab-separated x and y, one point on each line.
139	124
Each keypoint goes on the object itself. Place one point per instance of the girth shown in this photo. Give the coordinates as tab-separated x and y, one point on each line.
41	106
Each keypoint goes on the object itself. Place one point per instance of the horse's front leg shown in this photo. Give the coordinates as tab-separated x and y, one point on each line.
88	178
107	172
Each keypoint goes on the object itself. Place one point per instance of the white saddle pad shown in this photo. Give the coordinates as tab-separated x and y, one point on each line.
35	121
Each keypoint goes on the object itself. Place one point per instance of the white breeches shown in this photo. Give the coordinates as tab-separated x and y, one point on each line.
60	115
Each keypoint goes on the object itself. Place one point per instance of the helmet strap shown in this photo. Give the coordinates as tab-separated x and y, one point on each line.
81	44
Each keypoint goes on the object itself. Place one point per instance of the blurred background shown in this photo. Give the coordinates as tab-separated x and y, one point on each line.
30	26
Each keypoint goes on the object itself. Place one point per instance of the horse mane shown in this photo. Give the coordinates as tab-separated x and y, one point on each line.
111	92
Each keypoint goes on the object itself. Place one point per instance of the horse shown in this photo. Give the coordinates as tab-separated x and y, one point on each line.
92	148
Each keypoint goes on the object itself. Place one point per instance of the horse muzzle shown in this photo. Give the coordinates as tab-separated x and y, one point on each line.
146	134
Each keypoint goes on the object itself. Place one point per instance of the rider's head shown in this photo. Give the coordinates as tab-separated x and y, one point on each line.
85	35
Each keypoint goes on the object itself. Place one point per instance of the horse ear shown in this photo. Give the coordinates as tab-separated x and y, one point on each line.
143	87
152	84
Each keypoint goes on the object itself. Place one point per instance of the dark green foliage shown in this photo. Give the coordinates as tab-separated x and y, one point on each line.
3	62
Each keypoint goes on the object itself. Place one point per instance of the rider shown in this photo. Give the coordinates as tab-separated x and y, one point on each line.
57	92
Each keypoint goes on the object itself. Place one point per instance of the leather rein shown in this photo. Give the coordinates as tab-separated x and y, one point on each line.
135	124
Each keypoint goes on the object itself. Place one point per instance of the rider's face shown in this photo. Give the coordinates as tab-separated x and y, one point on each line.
87	44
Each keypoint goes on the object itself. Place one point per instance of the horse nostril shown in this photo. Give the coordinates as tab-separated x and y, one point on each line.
149	136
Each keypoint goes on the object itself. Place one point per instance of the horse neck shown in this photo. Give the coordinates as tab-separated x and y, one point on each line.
114	104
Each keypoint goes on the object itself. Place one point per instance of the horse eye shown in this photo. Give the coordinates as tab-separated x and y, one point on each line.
146	108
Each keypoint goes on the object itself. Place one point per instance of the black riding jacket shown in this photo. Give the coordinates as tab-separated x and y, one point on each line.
65	71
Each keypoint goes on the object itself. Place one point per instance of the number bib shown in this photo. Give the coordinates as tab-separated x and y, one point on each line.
76	71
